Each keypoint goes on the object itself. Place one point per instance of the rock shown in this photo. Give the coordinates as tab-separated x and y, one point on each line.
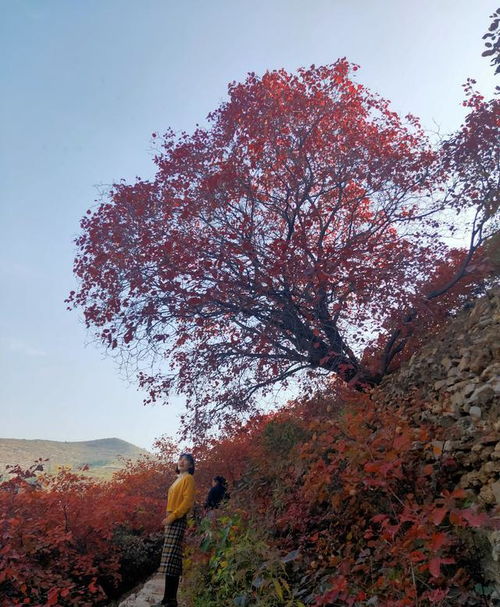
466	386
490	439
457	399
456	377
476	313
491	371
494	382
465	426
150	593
449	418
475	412
490	468
481	395
471	479
472	460
480	362
464	363
460	445
486	453
484	322
495	487
494	537
469	388
440	384
486	495
447	363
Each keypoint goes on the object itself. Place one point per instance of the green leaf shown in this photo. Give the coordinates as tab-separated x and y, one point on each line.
278	589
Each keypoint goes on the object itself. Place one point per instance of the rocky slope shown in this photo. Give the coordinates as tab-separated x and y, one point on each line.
457	376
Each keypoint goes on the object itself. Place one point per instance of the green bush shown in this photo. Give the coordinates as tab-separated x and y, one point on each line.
233	565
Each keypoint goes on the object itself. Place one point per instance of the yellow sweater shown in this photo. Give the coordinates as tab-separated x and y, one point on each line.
180	497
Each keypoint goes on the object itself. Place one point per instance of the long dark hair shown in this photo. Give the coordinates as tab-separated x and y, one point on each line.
190	458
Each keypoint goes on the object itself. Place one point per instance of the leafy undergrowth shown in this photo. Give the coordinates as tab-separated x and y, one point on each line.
235	565
337	501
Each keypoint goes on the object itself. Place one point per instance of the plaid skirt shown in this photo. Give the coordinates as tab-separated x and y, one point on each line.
171	556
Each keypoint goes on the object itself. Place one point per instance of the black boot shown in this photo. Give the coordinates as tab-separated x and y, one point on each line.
171	587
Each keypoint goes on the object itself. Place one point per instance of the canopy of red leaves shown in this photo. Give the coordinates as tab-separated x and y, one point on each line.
298	232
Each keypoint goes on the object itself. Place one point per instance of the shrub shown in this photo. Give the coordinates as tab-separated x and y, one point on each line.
236	565
69	540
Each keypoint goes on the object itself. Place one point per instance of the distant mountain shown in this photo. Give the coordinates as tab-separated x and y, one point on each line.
102	456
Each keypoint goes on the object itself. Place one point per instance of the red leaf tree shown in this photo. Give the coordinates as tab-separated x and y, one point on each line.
300	231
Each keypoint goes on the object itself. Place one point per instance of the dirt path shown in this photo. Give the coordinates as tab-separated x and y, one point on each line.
147	594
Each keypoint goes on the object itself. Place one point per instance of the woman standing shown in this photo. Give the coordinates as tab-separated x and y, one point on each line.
180	500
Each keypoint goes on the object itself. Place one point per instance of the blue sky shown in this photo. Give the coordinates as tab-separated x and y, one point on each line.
85	83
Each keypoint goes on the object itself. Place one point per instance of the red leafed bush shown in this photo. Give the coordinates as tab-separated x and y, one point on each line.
65	538
387	515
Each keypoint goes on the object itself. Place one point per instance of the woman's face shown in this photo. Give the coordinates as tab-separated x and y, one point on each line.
183	464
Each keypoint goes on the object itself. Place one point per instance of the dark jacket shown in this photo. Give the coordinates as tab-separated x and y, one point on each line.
215	496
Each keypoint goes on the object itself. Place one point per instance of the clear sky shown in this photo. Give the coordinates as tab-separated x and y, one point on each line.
85	83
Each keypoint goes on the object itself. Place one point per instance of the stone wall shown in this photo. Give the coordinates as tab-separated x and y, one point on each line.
457	378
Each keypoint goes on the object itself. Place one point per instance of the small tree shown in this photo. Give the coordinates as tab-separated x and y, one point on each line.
301	231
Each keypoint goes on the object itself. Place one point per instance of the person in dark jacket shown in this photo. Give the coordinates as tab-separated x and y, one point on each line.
217	493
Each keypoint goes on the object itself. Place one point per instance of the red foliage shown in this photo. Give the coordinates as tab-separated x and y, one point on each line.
366	501
301	223
394	525
57	533
351	486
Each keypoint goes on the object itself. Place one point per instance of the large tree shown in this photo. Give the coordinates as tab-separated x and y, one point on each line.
300	231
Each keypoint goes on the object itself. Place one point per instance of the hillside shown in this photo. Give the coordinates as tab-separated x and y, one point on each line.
102	456
389	497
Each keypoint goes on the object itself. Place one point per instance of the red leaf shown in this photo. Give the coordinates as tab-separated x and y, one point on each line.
428	469
438	540
436	595
437	515
435	566
416	556
457	519
474	518
52	596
